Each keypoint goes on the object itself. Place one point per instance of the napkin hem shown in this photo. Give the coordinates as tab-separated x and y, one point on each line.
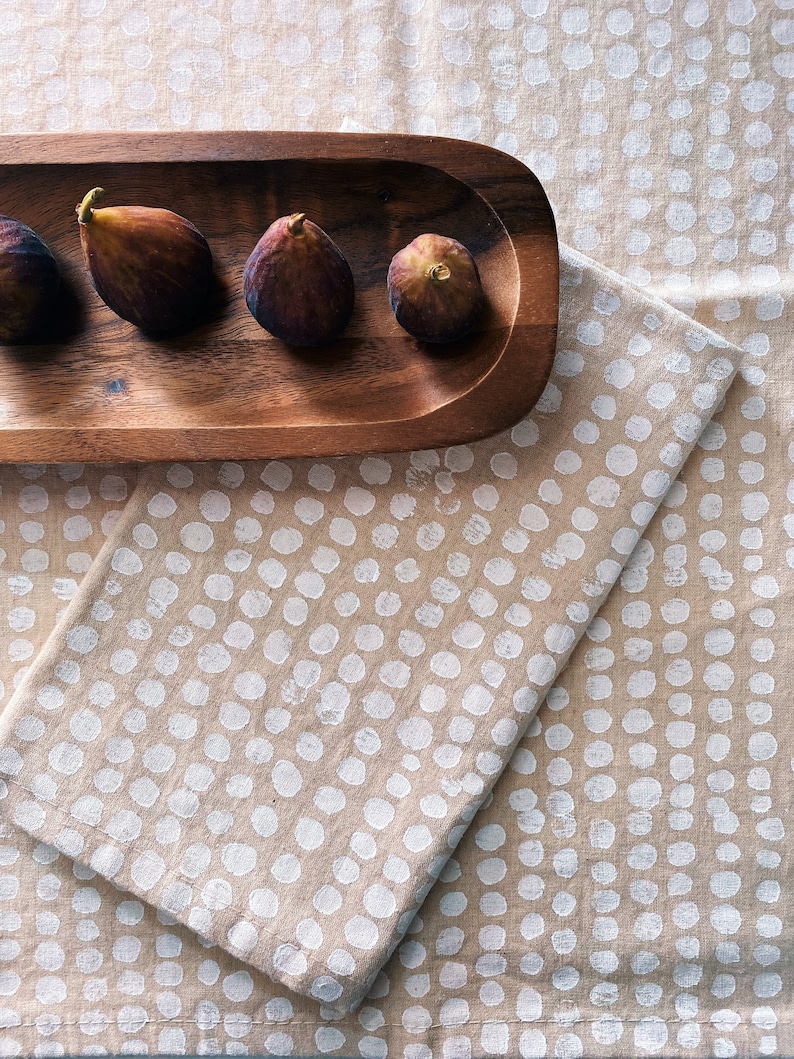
169	874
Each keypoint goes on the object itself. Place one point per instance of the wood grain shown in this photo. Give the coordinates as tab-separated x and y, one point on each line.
97	389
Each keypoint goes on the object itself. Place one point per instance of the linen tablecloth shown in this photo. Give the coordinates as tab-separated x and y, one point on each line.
623	889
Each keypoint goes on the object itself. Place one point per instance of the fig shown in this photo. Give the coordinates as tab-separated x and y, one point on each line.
435	289
149	265
297	283
29	281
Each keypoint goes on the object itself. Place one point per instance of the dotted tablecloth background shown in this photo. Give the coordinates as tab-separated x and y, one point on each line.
624	891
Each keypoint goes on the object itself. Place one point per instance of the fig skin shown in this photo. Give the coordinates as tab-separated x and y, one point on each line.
29	281
297	283
435	289
149	265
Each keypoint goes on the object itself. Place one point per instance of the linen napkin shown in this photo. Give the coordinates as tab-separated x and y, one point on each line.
285	687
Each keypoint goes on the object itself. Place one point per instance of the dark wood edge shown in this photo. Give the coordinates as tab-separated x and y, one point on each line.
79	148
513	384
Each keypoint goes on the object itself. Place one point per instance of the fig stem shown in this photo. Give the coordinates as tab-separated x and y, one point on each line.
439	272
84	210
295	223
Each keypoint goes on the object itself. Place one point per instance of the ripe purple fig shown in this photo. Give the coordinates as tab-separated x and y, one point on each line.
297	283
435	289
29	281
149	265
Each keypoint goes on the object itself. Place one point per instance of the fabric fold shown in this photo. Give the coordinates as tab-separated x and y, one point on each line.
278	760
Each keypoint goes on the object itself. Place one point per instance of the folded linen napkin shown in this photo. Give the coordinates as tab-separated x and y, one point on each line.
285	687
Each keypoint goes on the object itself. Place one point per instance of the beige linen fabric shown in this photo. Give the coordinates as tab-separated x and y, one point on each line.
54	521
625	890
241	719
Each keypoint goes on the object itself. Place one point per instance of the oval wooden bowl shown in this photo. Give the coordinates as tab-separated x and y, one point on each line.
96	389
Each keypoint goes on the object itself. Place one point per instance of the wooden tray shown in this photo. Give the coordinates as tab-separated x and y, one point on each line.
99	390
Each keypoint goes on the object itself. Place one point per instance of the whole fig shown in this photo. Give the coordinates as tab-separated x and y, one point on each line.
29	281
149	265
435	289
297	283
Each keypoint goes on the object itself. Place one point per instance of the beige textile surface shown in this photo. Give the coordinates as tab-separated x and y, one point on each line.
273	711
624	889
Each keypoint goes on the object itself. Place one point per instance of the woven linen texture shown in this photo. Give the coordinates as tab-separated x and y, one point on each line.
224	726
625	890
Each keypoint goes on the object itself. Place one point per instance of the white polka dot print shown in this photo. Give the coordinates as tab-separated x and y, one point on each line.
349	657
623	890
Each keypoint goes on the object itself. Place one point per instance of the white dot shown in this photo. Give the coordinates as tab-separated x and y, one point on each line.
215	506
622	60
197	537
361	932
82	639
603	491
238	858
286	868
417	838
95	92
621	460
